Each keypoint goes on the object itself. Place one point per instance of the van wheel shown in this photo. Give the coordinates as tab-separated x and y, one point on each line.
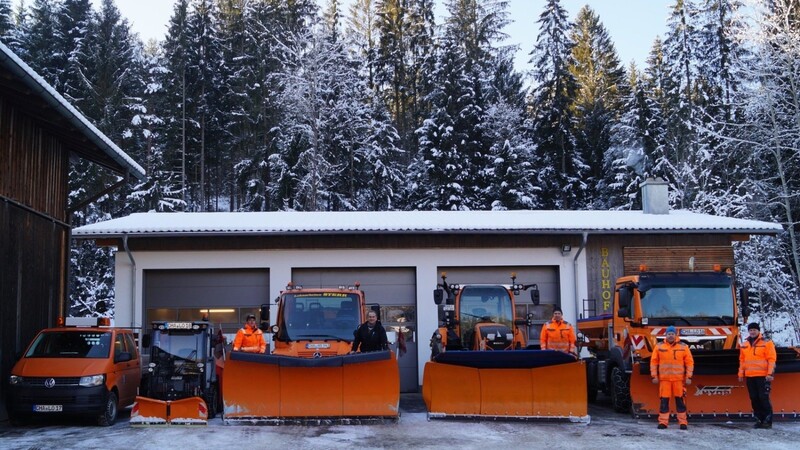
620	391
109	415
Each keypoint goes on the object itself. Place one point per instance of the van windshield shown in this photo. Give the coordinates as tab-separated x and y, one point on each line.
71	344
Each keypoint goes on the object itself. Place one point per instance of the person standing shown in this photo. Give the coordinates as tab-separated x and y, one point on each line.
757	365
558	334
672	366
249	338
370	336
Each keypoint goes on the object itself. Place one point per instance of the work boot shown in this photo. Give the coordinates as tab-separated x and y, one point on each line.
759	424
767	425
684	426
661	426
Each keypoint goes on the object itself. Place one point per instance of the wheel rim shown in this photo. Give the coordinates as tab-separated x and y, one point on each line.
111	408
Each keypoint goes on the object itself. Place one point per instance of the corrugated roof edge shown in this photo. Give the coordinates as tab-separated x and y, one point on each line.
418	222
51	96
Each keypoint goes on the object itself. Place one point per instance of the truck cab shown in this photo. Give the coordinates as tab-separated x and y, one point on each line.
78	370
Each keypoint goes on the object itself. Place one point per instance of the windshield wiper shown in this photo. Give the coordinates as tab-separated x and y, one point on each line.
311	337
674	318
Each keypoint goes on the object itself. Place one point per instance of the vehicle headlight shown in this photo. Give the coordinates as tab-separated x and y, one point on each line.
92	380
13	379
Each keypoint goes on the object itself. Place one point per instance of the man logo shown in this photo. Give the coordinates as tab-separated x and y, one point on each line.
49	383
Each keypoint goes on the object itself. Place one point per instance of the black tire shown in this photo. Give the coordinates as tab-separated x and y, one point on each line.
212	401
109	414
591	394
620	391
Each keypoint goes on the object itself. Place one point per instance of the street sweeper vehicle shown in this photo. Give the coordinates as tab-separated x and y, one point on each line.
310	375
481	366
701	305
179	386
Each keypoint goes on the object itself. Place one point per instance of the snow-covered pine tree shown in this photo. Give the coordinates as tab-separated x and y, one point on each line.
596	107
557	166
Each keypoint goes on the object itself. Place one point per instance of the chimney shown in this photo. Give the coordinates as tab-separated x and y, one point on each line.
655	196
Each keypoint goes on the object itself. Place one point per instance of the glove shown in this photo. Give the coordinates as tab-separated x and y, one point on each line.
688	381
655	380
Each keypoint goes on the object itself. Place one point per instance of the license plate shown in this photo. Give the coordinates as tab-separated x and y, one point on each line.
47	408
310	345
693	332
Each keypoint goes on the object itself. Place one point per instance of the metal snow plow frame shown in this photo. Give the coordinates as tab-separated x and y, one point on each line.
357	388
716	392
151	412
506	385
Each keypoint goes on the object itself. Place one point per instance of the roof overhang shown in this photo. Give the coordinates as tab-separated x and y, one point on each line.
83	138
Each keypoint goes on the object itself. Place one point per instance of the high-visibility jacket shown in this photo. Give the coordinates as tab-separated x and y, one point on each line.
250	340
757	359
558	336
672	362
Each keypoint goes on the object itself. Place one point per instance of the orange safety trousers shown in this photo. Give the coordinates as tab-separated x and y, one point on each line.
667	390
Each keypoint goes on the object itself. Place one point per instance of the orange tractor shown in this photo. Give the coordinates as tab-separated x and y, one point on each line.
481	365
310	376
702	307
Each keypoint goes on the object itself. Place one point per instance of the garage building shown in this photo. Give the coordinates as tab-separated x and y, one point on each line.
178	266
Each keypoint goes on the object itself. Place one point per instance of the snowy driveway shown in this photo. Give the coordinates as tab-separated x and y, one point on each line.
606	430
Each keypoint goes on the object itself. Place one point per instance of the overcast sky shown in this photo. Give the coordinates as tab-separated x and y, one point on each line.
633	24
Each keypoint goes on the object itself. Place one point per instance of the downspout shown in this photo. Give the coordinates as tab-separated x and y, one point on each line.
133	279
584	238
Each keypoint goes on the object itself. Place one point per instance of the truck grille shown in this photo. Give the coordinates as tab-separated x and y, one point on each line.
39	381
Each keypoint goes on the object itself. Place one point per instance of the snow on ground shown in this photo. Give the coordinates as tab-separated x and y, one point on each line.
413	431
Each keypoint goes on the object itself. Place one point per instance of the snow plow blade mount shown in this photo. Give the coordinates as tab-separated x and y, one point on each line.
716	392
272	389
151	412
508	385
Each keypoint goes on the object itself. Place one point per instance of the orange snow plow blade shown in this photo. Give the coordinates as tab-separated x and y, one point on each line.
520	384
273	389
151	412
716	391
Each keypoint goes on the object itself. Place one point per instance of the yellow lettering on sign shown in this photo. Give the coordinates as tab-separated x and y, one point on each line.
605	279
606	284
604	252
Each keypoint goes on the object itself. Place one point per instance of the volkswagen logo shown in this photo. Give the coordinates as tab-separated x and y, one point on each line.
50	382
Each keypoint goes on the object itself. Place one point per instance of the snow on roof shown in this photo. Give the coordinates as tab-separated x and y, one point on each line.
413	222
50	95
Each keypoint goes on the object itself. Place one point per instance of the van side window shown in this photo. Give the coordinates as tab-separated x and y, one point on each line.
119	345
131	345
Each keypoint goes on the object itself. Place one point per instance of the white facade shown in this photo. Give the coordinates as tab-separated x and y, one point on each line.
129	308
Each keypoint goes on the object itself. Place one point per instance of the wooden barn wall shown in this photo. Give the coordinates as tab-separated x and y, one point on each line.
607	259
31	280
33	164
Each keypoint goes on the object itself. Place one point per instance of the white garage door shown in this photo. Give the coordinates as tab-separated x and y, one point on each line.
394	289
545	277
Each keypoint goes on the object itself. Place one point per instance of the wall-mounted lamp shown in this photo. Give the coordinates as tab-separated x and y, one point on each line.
565	249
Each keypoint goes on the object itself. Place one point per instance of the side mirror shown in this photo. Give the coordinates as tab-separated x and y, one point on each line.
625	295
623	312
122	357
101	306
535	295
265	312
438	296
744	295
146	341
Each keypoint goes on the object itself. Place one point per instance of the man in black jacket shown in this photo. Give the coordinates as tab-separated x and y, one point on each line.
370	335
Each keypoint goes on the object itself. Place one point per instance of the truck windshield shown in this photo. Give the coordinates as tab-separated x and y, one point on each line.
692	305
319	316
485	304
187	345
71	344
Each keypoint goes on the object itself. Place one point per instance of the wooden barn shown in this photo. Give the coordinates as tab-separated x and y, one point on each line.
40	133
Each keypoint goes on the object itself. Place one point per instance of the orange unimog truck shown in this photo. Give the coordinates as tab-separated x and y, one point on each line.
310	376
702	307
481	366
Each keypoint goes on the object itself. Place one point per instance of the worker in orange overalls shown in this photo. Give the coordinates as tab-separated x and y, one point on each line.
558	334
671	366
757	364
250	338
